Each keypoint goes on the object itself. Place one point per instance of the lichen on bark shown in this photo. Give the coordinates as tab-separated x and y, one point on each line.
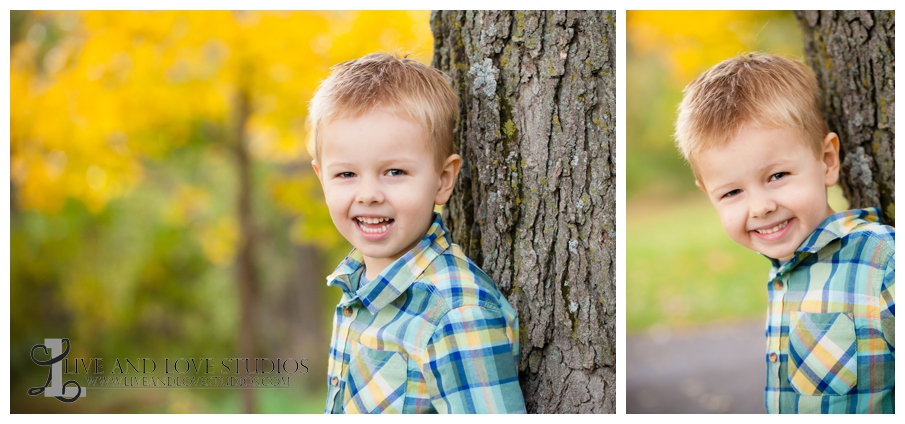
852	54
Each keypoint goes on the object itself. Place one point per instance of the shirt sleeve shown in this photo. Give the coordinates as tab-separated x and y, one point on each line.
888	304
469	364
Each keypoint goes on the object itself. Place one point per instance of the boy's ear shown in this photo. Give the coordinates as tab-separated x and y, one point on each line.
700	185
448	174
831	158
317	169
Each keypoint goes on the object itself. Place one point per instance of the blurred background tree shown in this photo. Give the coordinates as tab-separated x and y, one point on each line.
163	204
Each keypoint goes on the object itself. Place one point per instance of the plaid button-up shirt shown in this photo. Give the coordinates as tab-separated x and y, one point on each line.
432	333
831	320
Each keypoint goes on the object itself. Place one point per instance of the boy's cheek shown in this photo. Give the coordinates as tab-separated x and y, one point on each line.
331	200
731	222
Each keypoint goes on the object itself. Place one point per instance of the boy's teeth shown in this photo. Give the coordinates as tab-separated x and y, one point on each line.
372	220
375	230
774	229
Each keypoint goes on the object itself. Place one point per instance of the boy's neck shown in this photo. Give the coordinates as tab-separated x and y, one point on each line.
370	273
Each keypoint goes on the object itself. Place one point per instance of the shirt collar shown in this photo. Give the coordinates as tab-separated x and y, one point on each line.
397	277
834	227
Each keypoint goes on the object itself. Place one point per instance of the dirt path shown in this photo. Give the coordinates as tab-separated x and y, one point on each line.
715	369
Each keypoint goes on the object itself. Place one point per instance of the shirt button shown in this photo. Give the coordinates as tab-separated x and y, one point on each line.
347	311
334	382
773	358
777	285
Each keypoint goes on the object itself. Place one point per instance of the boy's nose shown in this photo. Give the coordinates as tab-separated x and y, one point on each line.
369	192
760	204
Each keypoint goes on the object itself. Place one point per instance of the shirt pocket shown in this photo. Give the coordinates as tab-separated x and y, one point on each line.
823	353
376	381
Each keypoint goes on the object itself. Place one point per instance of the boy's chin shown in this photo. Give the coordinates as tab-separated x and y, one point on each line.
379	254
781	255
783	258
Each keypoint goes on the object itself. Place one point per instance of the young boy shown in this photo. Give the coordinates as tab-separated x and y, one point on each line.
754	135
419	328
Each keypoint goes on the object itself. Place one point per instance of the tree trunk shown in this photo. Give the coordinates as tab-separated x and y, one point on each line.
535	204
299	312
853	55
246	259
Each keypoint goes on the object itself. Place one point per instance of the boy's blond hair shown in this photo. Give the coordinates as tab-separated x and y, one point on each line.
759	89
402	86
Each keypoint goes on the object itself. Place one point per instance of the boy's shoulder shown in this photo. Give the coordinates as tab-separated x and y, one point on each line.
459	281
880	233
863	226
856	235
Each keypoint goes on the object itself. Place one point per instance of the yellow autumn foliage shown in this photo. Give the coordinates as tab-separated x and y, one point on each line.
98	95
690	41
111	89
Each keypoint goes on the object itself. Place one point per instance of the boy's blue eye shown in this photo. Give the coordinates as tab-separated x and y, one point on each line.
395	172
732	193
345	175
778	175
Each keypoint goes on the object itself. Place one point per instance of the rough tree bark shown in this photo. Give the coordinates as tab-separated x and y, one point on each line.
535	203
853	55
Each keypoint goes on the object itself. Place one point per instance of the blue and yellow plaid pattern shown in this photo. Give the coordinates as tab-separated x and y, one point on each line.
432	333
831	320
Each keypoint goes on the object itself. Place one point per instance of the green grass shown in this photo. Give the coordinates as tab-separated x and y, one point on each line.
682	269
273	401
297	400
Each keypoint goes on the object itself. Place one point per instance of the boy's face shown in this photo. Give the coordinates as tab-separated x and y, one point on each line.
768	187
381	182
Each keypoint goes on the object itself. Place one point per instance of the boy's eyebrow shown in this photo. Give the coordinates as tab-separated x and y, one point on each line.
385	162
337	165
718	188
780	161
762	169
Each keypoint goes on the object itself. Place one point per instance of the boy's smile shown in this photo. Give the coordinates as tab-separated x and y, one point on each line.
381	183
768	187
374	228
